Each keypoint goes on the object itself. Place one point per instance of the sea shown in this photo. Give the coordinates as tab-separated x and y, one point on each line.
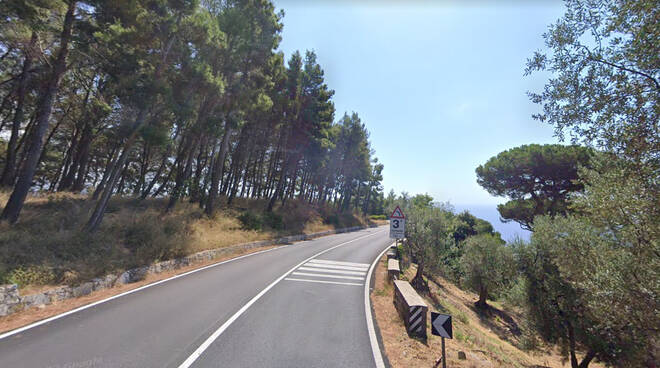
509	230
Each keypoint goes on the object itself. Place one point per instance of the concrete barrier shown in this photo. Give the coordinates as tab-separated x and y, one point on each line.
391	254
411	308
393	269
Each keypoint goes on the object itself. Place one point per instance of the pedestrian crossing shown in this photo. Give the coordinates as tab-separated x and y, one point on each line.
330	272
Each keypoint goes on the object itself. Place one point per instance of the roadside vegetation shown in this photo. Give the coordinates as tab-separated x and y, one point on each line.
498	337
588	280
47	247
132	133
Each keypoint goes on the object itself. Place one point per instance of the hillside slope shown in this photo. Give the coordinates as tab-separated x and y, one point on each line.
492	339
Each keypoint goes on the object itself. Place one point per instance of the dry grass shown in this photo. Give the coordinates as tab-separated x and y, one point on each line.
489	340
47	246
35	314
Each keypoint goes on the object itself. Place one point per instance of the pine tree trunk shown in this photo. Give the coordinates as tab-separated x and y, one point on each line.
9	172
99	210
45	107
217	172
83	159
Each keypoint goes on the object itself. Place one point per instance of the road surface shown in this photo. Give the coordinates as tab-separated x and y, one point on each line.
301	305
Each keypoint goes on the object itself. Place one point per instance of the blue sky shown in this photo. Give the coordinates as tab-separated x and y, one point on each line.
439	85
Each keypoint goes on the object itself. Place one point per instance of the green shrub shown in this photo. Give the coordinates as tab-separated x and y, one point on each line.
250	221
31	275
332	220
378	217
516	293
273	220
152	238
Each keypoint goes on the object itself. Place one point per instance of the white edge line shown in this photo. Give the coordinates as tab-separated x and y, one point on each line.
200	350
323	282
58	316
378	356
86	306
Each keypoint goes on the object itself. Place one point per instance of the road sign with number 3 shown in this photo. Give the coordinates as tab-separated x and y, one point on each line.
397	224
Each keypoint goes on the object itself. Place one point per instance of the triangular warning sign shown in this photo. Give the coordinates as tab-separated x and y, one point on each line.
397	213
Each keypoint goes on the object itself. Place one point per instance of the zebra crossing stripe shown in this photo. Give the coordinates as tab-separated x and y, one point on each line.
335	267
315	269
353	264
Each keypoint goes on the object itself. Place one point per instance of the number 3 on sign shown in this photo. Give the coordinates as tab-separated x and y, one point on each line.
397	228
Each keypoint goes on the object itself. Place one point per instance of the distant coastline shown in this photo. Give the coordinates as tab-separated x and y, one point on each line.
488	212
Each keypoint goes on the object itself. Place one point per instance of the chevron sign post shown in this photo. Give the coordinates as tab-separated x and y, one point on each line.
441	326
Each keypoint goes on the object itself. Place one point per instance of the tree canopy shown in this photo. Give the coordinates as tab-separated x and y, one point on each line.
171	99
596	270
486	264
536	178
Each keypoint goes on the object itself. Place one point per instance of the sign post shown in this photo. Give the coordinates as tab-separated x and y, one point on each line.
397	224
441	326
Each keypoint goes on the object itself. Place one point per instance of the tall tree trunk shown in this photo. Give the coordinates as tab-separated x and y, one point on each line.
70	170
106	173
82	158
216	173
182	172
157	175
9	172
196	187
62	170
99	210
144	168
45	107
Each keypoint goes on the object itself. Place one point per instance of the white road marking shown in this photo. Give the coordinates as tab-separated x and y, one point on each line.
330	276
214	336
348	268
375	349
332	271
324	282
50	319
364	265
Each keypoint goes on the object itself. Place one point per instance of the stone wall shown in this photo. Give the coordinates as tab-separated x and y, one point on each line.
11	301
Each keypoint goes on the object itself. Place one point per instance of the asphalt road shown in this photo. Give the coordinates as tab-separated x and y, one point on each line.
296	306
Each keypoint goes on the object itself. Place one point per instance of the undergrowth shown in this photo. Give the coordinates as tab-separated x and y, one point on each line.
48	247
